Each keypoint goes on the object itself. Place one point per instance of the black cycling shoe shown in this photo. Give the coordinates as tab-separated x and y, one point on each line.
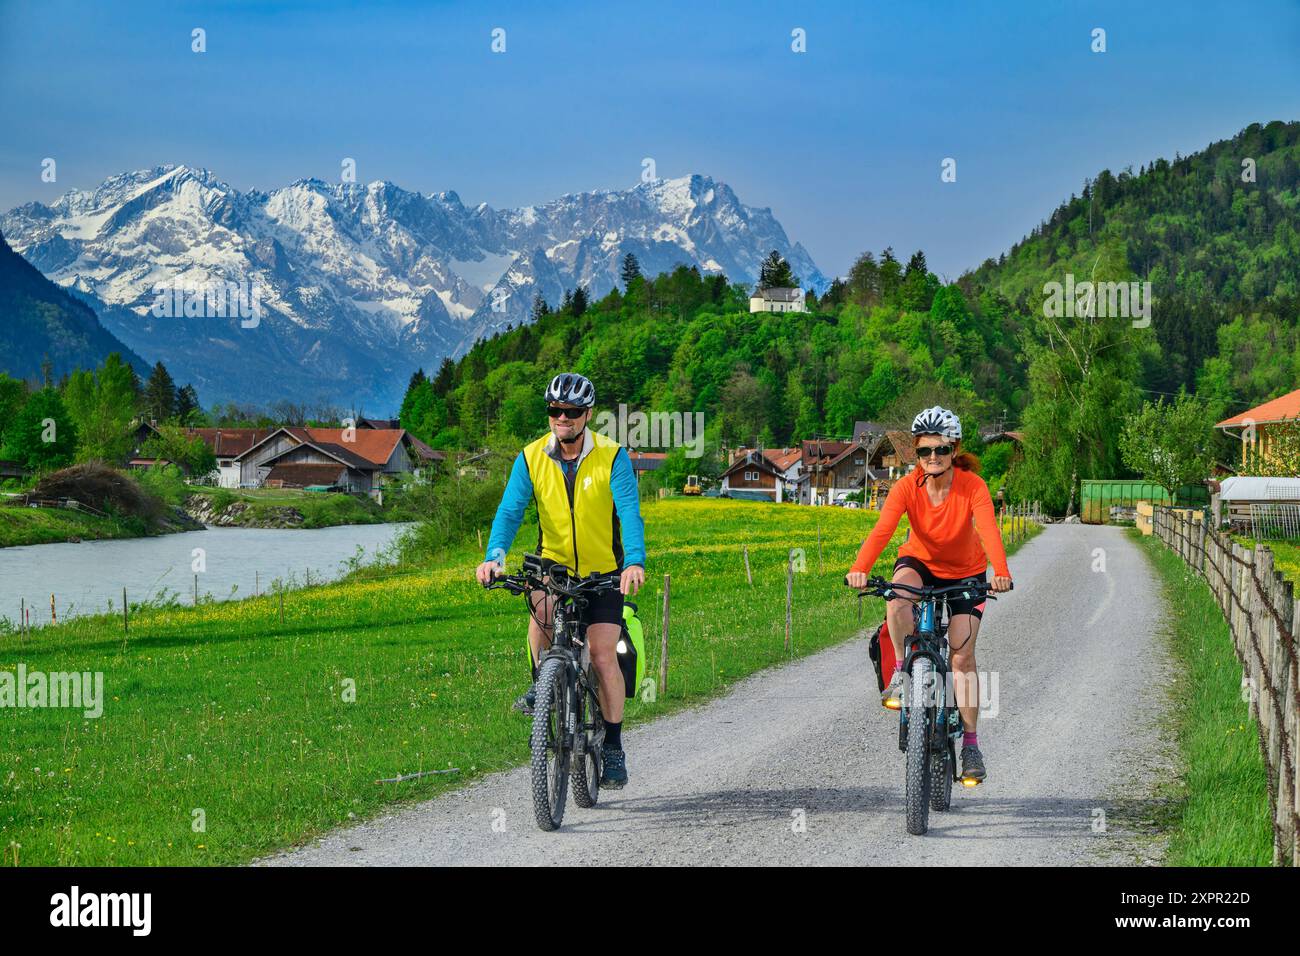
613	774
526	703
972	765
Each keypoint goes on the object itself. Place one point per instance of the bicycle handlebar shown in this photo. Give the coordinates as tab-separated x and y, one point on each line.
882	588
560	584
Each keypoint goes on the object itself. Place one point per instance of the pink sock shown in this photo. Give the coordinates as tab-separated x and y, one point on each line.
898	666
969	739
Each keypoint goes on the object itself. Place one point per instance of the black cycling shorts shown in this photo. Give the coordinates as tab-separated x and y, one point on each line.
606	608
930	580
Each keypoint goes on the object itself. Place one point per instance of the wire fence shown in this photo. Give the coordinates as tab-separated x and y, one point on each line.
1274	520
1261	612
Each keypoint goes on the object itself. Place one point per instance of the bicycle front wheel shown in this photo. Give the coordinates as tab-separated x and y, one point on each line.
586	771
551	744
920	731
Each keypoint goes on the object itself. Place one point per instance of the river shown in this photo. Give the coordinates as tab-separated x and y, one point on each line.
86	578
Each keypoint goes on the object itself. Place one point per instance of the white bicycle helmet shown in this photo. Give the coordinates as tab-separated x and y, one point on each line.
937	421
572	389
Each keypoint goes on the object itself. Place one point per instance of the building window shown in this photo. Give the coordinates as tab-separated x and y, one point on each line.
751	476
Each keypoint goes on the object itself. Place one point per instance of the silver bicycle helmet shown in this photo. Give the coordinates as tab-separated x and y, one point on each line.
937	421
571	389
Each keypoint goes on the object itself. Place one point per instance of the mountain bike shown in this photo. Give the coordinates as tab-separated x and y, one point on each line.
929	721
568	728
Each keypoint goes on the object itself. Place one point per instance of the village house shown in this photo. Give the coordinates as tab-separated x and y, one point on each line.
777	300
753	476
1257	428
833	470
388	451
778	484
355	460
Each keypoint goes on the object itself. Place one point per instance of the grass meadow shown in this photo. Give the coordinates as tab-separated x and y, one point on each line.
228	733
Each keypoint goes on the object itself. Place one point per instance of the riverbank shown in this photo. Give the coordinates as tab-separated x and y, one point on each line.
206	566
26	526
273	508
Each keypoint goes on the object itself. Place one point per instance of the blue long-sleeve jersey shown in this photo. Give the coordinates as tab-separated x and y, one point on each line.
519	491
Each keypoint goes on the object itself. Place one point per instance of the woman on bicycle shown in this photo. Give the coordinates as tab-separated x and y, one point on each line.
940	497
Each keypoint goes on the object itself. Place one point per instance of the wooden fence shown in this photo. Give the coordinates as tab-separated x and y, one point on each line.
1262	613
1015	518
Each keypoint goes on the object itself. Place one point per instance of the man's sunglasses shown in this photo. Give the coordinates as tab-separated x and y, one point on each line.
570	413
927	451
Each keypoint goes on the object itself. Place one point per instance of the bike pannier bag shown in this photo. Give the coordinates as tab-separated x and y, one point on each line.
881	650
631	650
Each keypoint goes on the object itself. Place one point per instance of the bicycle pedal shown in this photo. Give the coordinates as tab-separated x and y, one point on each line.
970	782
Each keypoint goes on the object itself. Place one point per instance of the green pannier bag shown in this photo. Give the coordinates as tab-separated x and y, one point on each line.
631	650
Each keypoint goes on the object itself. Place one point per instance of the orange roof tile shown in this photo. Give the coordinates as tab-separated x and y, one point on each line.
373	444
1276	410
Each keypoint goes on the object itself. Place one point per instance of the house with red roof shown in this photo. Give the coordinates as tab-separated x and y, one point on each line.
352	459
1256	428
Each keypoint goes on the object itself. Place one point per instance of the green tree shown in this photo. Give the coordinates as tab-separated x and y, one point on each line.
1169	442
1082	376
159	395
187	405
775	273
631	270
102	405
13	395
540	308
43	436
580	301
189	452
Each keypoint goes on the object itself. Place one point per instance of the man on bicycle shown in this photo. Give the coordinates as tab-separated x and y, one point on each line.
589	520
954	536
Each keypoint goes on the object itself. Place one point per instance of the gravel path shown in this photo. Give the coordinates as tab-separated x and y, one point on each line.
800	765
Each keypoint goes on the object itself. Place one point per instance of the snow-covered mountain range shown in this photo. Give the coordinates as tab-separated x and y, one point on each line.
360	284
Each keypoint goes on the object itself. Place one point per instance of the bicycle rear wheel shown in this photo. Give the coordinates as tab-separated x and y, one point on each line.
941	778
551	744
920	731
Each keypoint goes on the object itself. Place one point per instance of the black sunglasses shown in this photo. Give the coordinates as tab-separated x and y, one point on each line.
926	451
570	413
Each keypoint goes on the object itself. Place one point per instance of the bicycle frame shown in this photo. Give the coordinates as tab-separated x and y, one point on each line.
929	639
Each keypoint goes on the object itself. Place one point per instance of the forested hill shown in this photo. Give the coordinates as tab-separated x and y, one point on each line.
1216	233
1222	254
39	321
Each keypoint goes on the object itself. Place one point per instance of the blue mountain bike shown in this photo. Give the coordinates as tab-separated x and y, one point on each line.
929	722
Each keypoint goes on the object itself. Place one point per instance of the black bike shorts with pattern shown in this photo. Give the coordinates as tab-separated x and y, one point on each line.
931	580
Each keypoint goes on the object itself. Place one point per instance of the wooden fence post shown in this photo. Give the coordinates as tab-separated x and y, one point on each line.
126	622
789	595
820	568
663	644
744	549
54	617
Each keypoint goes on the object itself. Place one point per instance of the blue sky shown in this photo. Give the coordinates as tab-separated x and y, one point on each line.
843	142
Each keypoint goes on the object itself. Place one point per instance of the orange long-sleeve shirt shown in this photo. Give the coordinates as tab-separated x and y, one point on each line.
944	538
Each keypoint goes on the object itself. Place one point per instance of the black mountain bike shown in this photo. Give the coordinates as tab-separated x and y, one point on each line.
929	722
568	728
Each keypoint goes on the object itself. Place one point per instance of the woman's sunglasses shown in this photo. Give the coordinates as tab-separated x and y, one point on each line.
570	413
927	451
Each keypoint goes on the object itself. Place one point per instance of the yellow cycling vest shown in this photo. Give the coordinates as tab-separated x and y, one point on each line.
584	536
